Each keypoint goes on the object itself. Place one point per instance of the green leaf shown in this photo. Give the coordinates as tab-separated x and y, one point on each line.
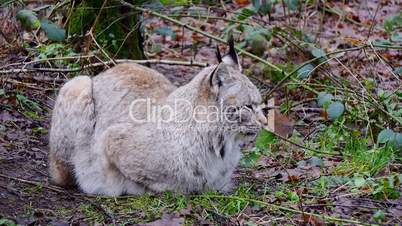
359	181
392	22
174	2
385	135
379	215
292	4
262	6
323	98
264	138
395	37
28	19
251	158
315	161
382	42
52	31
7	222
256	4
318	53
398	140
398	71
293	196
166	31
2	92
245	13
335	110
305	71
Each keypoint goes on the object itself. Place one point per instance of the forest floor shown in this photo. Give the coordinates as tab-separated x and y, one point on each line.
318	173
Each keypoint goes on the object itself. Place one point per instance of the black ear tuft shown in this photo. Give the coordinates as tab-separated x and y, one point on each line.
218	55
232	50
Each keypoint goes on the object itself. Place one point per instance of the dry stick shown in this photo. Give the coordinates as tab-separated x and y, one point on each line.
387	65
36	183
30	85
153	61
373	21
287	209
48	59
210	18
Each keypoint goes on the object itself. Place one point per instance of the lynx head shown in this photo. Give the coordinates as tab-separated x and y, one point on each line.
238	97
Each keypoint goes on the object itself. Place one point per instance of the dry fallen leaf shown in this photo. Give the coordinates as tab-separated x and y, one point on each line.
277	122
312	220
242	2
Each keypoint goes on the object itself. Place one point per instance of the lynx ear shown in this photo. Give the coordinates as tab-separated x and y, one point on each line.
231	58
217	76
218	55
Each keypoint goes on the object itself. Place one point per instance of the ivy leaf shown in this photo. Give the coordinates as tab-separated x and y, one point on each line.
385	135
398	140
250	159
293	196
379	215
245	13
392	22
398	71
335	110
360	181
305	71
318	53
52	31
382	42
174	3
315	161
292	4
323	98
395	37
28	19
256	4
262	6
264	138
166	31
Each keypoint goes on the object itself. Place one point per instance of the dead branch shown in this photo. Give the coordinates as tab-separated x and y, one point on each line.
99	64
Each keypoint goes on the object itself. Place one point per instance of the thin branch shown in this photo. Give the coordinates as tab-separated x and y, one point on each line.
48	59
153	61
302	146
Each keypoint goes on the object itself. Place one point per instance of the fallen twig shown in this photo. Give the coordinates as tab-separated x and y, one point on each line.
153	61
36	183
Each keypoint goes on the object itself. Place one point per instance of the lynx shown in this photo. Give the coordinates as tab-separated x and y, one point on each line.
129	130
